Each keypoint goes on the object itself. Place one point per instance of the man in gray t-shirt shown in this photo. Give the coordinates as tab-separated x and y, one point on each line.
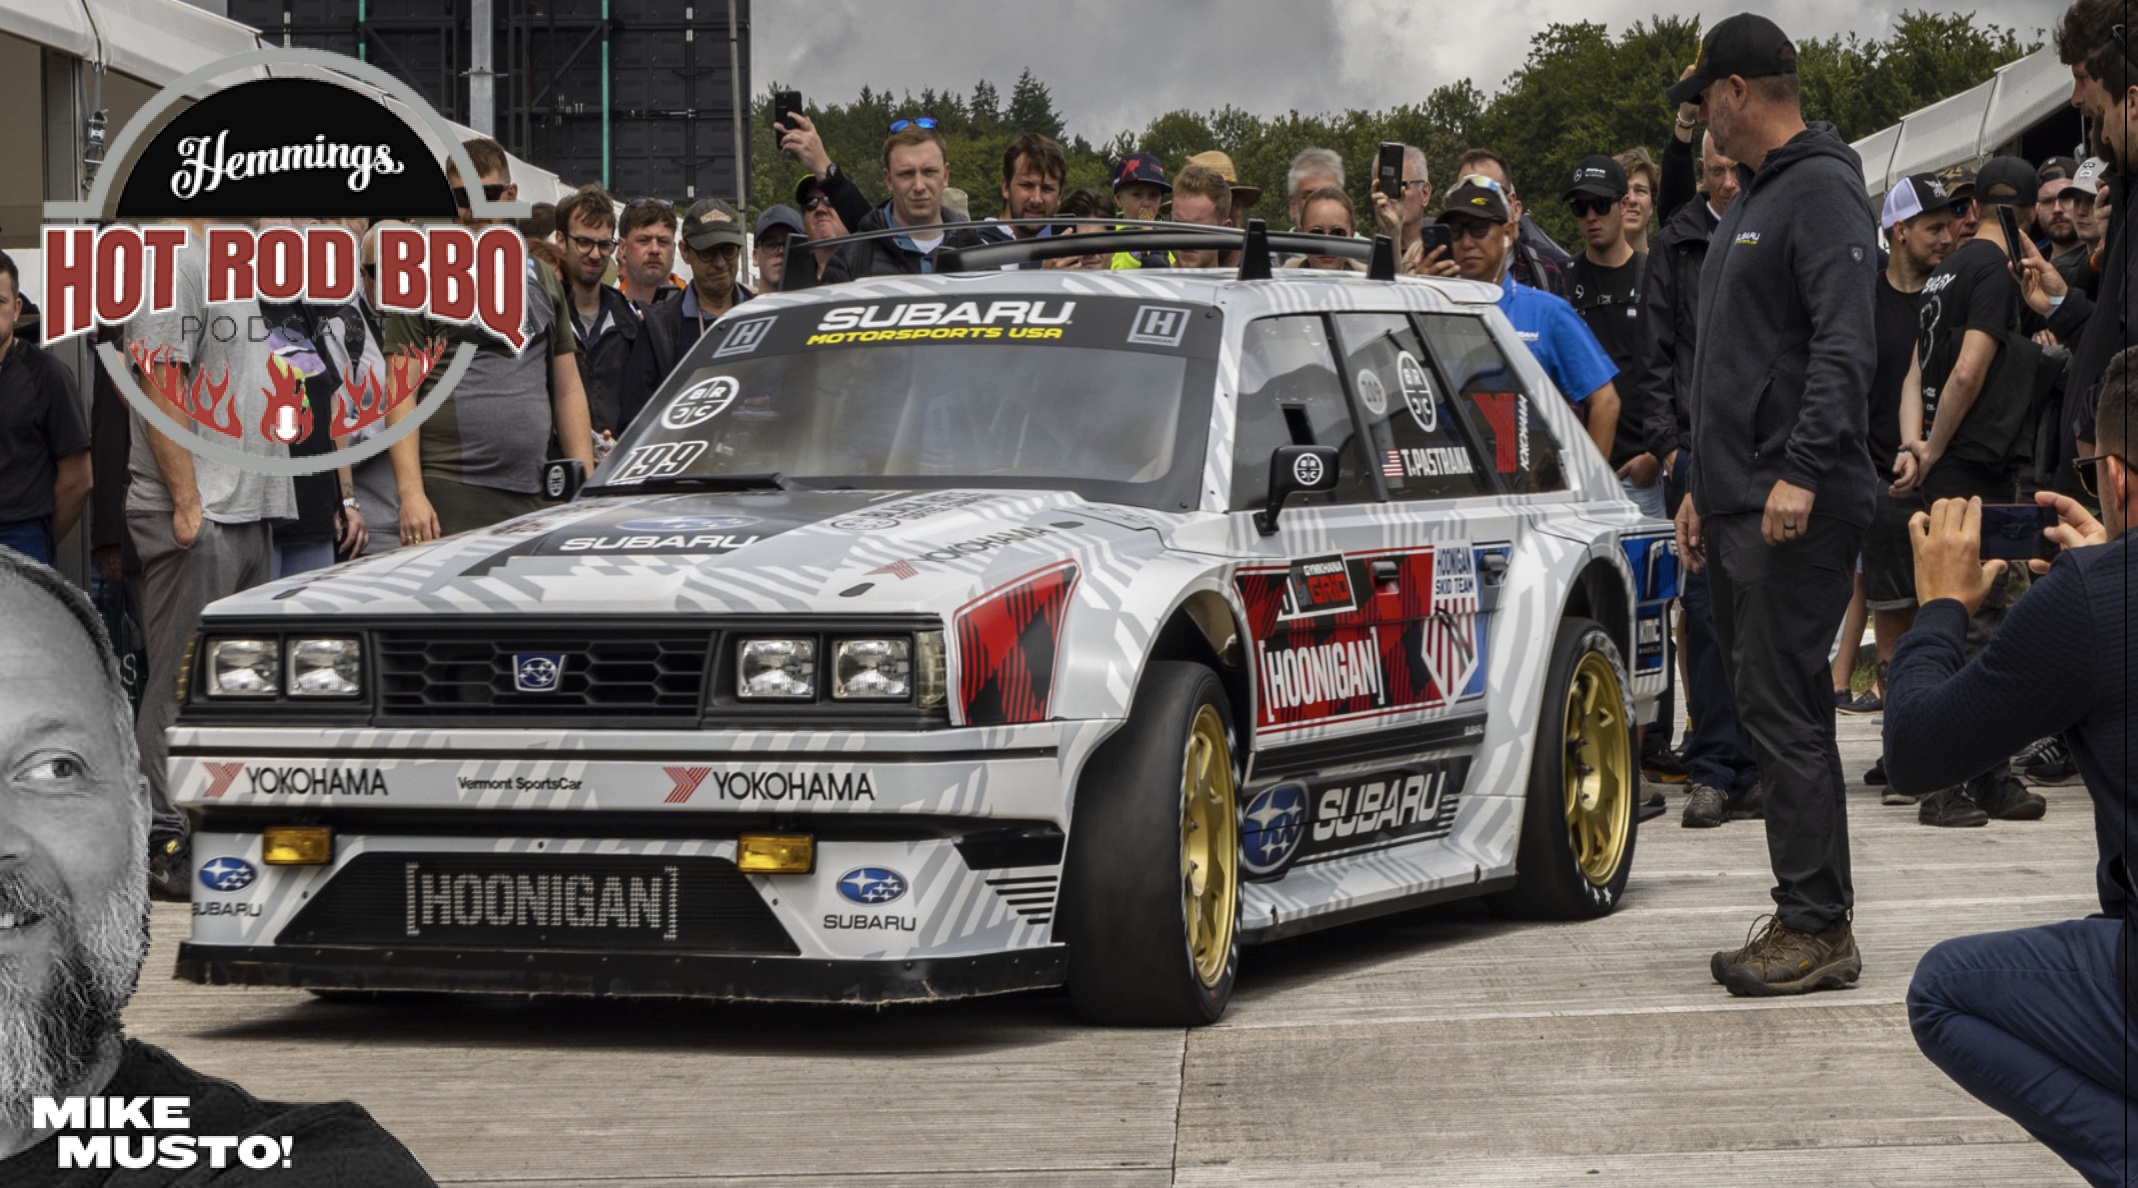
202	528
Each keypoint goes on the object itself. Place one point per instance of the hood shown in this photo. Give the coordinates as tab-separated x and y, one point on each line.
1687	224
853	552
1818	139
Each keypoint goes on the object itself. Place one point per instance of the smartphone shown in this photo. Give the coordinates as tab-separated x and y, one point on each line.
784	104
1436	235
2013	531
1388	170
2009	222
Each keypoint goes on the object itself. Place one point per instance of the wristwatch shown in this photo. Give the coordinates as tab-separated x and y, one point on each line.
1685	123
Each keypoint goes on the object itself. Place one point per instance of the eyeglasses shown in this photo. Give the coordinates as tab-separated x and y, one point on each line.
1332	232
927	122
2085	467
1467	228
1583	207
491	193
820	202
590	245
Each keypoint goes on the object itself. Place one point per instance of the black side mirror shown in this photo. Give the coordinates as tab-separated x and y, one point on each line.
1295	469
562	479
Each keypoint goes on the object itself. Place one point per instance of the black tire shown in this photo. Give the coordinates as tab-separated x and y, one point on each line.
1125	906
1552	882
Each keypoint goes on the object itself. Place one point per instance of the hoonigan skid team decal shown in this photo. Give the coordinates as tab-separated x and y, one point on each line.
1362	636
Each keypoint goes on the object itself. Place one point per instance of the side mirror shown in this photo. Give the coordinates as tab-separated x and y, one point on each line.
562	479
1293	470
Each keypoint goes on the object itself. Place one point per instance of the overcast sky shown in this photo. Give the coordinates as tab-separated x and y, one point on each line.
1114	64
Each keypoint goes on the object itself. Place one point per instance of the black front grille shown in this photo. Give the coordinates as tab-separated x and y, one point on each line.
540	901
647	674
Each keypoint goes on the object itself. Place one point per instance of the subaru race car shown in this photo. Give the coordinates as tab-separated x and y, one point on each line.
952	635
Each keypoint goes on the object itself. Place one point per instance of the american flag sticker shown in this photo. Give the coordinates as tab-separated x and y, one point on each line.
1392	464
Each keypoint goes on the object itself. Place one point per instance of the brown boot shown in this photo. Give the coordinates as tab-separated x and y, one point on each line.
1778	959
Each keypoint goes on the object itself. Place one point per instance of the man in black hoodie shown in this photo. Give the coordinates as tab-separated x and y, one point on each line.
1781	479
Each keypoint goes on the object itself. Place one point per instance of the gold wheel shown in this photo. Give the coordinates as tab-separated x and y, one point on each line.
1209	847
1598	772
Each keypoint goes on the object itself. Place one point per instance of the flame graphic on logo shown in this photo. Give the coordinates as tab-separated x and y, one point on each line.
365	399
217	412
288	419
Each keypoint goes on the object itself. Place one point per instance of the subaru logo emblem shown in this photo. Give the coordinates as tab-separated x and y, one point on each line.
537	672
1272	827
871	885
686	523
227	874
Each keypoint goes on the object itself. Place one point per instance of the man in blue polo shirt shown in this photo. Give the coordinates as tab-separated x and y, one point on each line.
1477	220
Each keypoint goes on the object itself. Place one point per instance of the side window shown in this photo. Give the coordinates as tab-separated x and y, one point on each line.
1489	397
1413	436
1287	378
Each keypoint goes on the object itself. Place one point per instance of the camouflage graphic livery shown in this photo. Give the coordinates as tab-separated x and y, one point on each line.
981	506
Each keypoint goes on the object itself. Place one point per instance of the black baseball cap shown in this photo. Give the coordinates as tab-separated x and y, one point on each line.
2007	181
2056	167
1598	175
1478	196
1747	45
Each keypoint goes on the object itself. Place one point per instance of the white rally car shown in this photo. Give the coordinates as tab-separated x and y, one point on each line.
952	635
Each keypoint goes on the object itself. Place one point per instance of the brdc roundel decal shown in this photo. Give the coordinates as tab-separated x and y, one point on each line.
1307	469
699	403
223	253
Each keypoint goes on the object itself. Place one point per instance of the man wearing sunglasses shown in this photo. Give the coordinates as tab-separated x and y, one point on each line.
1781	482
712	246
1482	228
916	170
2037	1022
1604	285
479	460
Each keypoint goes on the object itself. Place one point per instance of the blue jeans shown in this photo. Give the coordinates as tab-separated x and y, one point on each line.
302	557
31	538
2031	1022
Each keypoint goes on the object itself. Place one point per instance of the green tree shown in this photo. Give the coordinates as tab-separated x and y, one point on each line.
1032	108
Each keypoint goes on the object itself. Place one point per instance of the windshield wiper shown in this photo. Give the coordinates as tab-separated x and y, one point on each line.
772	481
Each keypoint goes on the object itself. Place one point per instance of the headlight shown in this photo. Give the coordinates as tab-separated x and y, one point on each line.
244	667
872	669
326	667
933	676
777	669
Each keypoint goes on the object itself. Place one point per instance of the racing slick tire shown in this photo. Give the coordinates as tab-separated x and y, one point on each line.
1578	825
1150	909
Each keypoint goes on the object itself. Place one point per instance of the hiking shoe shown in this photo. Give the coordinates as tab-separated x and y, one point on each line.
1866	702
2006	797
1664	766
1706	806
1748	803
1894	796
1876	777
170	868
1949	808
2046	762
1778	959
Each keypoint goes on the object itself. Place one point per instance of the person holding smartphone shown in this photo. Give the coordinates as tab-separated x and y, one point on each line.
1957	435
2036	1022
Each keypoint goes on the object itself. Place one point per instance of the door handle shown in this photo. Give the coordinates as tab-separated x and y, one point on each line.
1495	567
1385	573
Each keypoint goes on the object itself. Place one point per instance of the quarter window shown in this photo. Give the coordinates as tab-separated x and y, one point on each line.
1515	442
1414	437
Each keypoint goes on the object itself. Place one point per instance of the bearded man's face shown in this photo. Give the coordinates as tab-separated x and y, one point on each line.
73	852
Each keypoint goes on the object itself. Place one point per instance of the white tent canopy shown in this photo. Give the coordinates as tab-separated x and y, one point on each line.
1969	126
158	41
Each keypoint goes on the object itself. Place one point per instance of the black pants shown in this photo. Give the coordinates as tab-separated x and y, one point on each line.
1776	611
1715	751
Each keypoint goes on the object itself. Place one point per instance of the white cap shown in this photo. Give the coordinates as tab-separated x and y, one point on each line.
1911	196
2088	178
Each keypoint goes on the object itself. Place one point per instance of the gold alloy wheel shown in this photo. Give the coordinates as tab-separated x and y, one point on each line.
1598	769
1209	847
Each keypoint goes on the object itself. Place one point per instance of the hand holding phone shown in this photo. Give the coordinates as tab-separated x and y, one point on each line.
1388	170
784	104
1436	235
2016	532
2014	243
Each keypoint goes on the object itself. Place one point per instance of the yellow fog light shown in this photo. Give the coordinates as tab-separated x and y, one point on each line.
776	853
297	845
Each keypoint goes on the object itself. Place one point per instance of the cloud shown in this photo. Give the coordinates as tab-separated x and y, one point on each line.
1113	65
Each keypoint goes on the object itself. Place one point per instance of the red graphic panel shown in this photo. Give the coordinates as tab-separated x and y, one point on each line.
1006	645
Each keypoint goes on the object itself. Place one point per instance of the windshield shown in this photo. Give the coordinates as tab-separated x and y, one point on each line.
1108	397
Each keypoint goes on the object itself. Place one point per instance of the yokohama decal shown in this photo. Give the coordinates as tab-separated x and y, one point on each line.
221	776
686	780
1006	642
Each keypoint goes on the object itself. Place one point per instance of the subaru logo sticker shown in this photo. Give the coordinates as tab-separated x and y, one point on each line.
1272	827
537	672
869	885
227	874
